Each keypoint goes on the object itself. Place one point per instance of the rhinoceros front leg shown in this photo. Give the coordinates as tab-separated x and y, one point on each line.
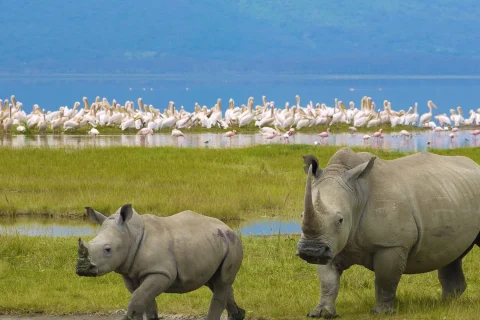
329	277
151	311
143	298
388	265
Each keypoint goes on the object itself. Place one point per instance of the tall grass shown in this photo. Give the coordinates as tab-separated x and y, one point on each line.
223	183
37	275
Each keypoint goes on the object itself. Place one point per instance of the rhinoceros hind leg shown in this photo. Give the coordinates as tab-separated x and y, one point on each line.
222	281
218	302
238	315
234	311
452	279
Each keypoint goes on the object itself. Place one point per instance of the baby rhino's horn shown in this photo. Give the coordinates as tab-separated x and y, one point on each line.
82	248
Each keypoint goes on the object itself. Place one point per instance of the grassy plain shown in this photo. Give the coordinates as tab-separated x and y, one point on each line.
37	275
224	183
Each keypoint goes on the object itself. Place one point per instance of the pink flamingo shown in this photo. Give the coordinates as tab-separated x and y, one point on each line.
325	134
145	131
475	133
230	134
272	135
378	134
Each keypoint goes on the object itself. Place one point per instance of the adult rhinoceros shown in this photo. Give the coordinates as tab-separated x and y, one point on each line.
410	215
175	254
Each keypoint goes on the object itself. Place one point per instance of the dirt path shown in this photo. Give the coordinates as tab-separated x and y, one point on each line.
112	316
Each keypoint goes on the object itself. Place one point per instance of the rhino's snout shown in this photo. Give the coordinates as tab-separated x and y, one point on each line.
86	269
314	252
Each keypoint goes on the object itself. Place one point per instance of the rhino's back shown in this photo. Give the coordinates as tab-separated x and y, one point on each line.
432	199
191	219
430	162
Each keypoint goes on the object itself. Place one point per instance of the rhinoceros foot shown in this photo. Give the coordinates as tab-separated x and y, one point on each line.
384	311
239	315
132	315
322	313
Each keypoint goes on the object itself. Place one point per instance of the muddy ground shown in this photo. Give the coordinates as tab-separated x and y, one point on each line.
113	316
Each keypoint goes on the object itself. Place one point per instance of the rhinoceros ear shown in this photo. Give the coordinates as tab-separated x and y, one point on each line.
359	171
95	216
311	160
126	213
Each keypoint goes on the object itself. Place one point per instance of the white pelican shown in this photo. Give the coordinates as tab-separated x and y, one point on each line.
405	133
42	124
177	133
71	124
8	122
247	116
427	116
93	132
443	119
412	119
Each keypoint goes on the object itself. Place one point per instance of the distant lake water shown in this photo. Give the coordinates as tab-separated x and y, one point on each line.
51	92
420	141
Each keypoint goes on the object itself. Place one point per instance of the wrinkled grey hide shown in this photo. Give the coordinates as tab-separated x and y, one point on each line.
410	215
175	254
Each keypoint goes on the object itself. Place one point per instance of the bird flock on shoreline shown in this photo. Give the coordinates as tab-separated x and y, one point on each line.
272	122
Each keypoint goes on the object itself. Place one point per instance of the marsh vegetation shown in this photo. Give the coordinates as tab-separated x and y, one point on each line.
37	273
227	184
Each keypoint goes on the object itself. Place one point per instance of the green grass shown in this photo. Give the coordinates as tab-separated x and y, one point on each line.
225	183
37	275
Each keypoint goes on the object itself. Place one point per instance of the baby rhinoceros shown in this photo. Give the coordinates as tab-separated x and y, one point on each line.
175	254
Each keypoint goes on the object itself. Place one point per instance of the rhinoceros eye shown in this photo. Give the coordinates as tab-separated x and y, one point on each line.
340	220
107	250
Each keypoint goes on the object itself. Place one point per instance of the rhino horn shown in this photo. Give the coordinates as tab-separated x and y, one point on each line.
82	248
310	223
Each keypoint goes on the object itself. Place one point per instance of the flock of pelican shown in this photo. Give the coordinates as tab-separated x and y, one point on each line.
146	119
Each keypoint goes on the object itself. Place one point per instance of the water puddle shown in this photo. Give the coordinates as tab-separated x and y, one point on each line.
420	141
67	227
